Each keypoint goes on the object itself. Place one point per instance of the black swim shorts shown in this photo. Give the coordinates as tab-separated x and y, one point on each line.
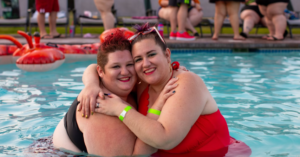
254	8
214	1
267	2
175	3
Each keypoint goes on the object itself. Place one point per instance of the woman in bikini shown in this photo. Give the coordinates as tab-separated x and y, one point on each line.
188	122
105	135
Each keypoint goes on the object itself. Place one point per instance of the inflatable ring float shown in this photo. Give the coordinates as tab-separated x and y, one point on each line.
35	56
126	31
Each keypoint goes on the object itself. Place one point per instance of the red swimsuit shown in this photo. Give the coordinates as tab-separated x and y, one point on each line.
210	132
209	136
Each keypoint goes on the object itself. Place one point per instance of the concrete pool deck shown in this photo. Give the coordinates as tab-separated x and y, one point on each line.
224	42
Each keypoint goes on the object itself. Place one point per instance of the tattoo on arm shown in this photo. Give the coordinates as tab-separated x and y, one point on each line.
249	29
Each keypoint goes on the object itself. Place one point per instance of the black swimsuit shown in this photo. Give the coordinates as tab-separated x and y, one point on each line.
255	8
267	2
72	128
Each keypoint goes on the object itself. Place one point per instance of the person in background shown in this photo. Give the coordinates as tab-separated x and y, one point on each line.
273	10
178	15
104	7
230	7
51	7
194	15
251	16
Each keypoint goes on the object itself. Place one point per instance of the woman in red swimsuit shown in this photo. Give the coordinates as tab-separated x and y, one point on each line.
187	122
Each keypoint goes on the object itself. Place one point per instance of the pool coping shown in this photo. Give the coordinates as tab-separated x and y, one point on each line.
200	43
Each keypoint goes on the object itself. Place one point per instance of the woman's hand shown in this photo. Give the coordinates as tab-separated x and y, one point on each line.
198	7
167	92
192	3
87	98
164	3
183	68
111	106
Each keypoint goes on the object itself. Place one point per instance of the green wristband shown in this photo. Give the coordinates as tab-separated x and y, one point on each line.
122	115
154	111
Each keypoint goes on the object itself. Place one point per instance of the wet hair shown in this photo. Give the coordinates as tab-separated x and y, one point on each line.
113	42
152	35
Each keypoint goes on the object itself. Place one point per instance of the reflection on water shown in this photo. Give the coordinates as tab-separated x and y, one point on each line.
258	94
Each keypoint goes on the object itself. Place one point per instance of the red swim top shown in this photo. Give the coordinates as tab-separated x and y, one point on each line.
209	133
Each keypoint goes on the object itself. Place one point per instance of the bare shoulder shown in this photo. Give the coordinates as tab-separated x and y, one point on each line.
190	78
185	106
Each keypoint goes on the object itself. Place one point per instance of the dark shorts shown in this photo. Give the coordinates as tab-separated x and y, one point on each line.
190	8
267	2
254	8
46	6
213	1
175	3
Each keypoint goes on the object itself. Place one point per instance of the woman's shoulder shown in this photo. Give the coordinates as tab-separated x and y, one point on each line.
187	75
190	80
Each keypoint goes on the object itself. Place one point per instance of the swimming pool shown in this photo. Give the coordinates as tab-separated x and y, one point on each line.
258	94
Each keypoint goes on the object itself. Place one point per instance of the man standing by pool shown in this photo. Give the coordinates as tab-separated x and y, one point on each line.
51	7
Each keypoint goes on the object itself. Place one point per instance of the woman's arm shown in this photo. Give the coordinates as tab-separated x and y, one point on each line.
142	148
178	115
163	3
90	92
197	5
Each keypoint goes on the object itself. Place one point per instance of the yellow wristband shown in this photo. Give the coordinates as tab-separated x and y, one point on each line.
154	111
122	115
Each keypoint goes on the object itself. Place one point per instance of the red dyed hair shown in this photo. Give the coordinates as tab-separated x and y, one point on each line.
113	42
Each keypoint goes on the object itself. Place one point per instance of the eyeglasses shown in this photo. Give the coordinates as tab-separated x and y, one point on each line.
150	30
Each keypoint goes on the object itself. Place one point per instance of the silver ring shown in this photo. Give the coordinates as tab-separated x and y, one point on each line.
97	105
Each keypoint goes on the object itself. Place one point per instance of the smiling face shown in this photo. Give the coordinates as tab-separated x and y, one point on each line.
152	65
119	76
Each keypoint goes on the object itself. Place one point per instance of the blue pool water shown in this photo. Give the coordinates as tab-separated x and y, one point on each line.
258	94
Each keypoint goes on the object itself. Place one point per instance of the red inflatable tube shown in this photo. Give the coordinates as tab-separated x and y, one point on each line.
27	37
12	39
41	56
11	49
37	40
90	48
68	49
3	50
127	33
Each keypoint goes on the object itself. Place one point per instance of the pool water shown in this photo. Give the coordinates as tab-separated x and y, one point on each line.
258	94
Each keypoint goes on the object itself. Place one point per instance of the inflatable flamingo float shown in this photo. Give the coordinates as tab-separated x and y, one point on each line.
35	56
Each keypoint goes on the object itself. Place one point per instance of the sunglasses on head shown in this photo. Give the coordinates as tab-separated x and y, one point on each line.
150	30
